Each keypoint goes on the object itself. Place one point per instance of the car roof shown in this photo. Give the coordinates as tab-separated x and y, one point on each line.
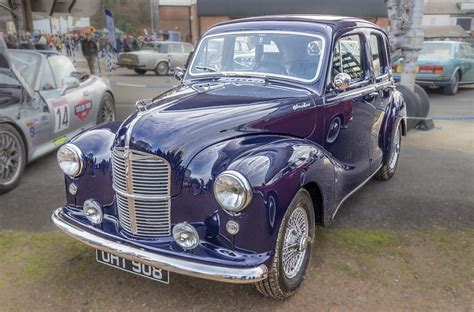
314	18
294	22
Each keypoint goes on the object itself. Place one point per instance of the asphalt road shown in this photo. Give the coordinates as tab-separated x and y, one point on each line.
434	184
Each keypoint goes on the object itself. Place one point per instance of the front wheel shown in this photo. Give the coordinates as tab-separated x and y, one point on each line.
292	250
106	109
12	157
387	170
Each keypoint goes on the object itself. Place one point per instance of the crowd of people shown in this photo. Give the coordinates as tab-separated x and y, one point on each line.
92	45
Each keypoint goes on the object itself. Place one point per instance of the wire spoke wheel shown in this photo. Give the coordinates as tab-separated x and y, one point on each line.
107	109
10	157
295	241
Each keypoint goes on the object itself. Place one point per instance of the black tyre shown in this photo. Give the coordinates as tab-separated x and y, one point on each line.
413	106
12	157
424	101
453	88
387	170
106	109
292	250
162	69
140	71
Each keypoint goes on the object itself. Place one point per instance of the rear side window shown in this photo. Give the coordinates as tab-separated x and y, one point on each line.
379	62
187	48
175	48
348	58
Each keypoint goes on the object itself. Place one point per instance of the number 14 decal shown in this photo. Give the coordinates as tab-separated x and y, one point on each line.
61	116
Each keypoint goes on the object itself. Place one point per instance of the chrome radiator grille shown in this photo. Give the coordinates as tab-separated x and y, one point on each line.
141	182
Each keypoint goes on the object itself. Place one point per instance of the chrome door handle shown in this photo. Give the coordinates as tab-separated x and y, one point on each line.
373	94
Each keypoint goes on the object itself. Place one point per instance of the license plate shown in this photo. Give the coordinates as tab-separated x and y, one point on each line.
134	267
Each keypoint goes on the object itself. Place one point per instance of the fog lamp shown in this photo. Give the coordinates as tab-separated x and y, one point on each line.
232	227
93	211
73	188
185	235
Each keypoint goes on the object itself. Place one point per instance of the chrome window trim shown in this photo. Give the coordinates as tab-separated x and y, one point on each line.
307	81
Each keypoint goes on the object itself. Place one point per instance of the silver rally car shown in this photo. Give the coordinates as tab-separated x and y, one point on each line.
44	102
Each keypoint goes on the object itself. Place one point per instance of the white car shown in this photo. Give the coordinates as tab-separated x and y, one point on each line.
156	56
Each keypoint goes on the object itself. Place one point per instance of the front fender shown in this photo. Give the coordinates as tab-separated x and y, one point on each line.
276	167
96	145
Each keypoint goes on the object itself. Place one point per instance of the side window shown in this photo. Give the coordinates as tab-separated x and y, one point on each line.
47	78
62	67
348	58
164	48
379	62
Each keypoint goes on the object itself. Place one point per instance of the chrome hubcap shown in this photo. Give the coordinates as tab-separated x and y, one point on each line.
107	113
10	157
395	149
295	242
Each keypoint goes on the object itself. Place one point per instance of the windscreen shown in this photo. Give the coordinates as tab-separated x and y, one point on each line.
274	54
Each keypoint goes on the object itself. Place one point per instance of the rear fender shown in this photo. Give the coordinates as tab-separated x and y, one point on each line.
394	117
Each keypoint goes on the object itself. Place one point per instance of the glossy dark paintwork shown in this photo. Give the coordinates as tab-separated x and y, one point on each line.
260	129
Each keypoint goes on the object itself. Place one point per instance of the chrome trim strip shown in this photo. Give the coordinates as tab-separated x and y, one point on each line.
129	186
354	190
186	267
351	94
142	197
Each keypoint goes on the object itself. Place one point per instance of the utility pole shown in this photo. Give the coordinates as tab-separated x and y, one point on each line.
406	35
28	16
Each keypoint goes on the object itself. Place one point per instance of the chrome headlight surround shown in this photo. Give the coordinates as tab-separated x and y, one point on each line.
70	160
232	191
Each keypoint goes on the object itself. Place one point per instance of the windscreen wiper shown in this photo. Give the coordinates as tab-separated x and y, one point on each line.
206	68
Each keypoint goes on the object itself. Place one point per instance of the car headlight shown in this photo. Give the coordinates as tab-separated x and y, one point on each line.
232	191
70	160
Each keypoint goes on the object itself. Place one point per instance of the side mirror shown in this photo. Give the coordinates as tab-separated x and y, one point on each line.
69	83
178	73
342	81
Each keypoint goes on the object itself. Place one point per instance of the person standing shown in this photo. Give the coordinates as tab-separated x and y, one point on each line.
89	50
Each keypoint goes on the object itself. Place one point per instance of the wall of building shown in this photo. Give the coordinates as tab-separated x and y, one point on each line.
176	18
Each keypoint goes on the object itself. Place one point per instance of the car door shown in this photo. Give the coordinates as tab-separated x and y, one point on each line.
349	114
383	91
73	109
175	55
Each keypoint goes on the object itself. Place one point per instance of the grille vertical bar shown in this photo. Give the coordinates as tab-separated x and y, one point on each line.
142	185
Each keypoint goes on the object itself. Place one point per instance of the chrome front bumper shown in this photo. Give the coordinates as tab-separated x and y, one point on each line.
206	271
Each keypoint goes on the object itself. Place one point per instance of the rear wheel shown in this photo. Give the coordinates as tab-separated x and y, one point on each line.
453	88
12	157
140	71
162	69
293	249
387	171
106	109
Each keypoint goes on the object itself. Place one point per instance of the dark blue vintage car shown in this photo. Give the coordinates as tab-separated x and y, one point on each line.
277	121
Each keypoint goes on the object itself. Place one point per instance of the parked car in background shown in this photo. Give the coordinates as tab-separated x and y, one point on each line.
156	56
225	176
443	64
44	102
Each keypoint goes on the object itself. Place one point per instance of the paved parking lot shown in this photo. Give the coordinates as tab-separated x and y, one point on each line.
427	206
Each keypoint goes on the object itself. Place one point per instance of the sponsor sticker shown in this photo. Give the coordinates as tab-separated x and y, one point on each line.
60	141
83	109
